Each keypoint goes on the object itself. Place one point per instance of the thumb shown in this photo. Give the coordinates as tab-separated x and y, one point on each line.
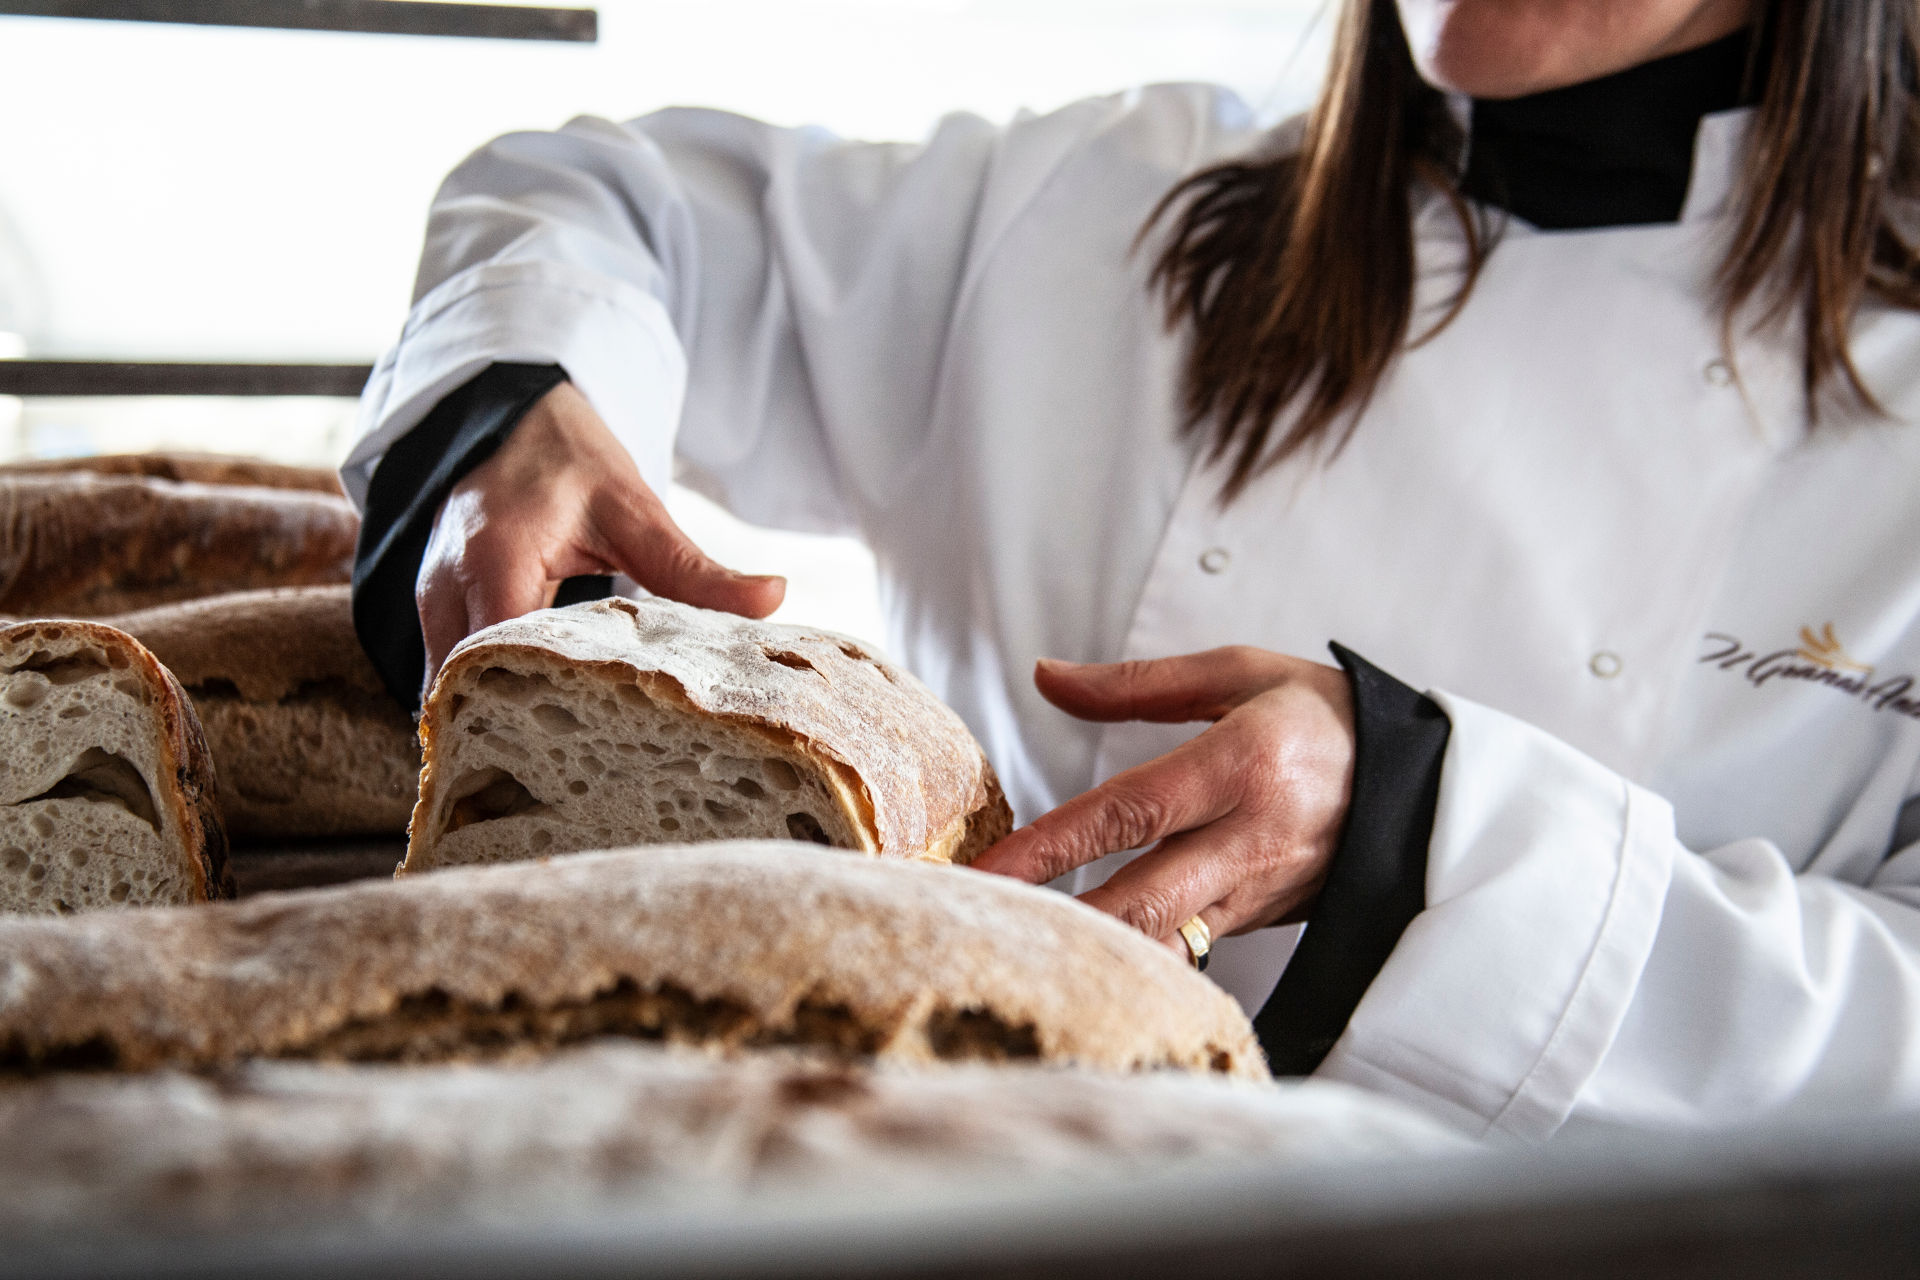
642	541
1195	686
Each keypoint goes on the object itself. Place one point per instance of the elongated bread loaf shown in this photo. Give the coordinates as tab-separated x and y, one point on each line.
611	1128
106	787
85	545
307	740
197	468
638	722
726	945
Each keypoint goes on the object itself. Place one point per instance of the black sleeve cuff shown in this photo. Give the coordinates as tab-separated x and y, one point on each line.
1377	883
404	497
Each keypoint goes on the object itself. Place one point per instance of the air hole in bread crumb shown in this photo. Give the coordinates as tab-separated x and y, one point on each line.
487	795
14	860
556	719
556	755
541	841
120	891
702	749
669	825
75	711
781	774
725	812
27	690
687	767
83	664
750	789
42	826
653	748
100	777
576	788
36	873
512	686
131	687
804	826
78	856
506	746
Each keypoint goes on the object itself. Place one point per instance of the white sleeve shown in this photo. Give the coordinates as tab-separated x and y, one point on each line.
1577	966
780	291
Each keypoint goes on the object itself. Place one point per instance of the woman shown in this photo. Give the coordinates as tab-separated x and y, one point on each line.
1559	364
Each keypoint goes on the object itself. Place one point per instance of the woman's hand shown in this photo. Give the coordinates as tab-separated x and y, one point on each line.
1247	814
560	498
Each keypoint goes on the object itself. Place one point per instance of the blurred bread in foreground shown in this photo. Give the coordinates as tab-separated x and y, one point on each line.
723	946
644	721
307	740
616	1128
107	793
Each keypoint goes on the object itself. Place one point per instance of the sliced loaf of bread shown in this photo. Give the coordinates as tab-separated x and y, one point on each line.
644	721
106	786
721	946
307	740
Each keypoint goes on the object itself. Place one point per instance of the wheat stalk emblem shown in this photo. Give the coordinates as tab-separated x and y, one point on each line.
1825	650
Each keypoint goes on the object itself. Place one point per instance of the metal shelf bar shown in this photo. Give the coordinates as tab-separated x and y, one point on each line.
378	17
124	378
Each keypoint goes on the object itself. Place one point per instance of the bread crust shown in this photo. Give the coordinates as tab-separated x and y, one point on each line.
198	468
906	768
307	739
87	545
617	1128
745	943
187	789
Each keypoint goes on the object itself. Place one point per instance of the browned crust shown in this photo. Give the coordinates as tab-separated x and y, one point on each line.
907	767
89	545
271	650
267	644
197	468
192	799
894	950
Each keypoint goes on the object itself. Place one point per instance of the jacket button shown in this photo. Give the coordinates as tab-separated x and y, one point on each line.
1719	373
1216	560
1606	665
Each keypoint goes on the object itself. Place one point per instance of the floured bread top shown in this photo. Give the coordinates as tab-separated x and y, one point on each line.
721	945
275	1146
565	727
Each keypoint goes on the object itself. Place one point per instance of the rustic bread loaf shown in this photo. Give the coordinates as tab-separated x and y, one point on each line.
726	945
645	721
84	545
198	468
612	1127
106	788
307	740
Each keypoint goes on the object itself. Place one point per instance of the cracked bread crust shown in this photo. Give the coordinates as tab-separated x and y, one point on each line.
182	786
307	739
723	945
88	545
905	773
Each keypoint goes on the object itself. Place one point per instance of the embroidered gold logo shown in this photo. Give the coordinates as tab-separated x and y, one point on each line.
1825	650
1821	659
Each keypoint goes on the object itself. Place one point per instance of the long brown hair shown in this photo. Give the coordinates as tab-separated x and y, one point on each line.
1296	270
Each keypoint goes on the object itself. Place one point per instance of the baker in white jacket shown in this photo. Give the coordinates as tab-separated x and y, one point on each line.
1563	364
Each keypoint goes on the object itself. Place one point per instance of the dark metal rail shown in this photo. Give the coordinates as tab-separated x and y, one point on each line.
379	17
119	378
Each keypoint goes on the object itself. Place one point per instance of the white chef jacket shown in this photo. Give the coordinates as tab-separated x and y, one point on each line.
1674	629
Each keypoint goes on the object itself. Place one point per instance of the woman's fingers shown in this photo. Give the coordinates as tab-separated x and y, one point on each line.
1195	686
637	536
1233	874
1177	792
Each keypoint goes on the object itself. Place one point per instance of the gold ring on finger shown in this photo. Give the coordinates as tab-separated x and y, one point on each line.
1199	940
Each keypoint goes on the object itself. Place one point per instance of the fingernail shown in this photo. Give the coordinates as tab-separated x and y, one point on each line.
1066	663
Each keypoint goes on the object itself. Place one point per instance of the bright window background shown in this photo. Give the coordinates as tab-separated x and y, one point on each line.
206	194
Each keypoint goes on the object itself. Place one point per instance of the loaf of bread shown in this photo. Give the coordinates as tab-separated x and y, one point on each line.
86	545
307	740
197	468
637	722
611	1129
106	789
721	946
